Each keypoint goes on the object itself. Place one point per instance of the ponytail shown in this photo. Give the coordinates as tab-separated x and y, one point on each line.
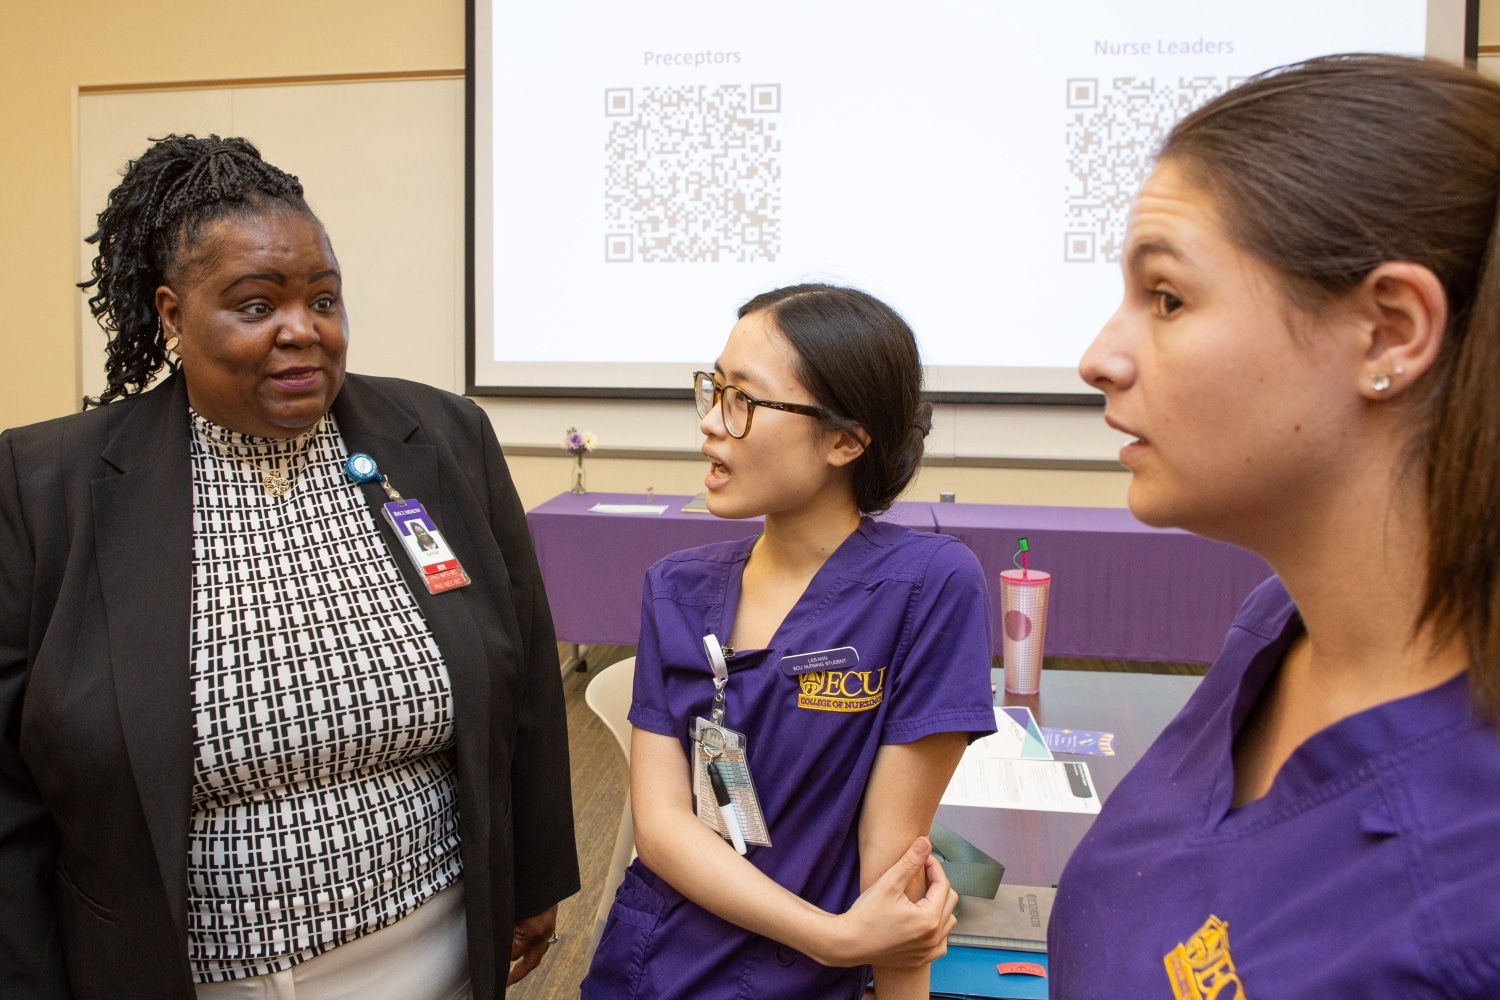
1463	488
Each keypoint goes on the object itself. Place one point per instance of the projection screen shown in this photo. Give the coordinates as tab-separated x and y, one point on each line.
639	168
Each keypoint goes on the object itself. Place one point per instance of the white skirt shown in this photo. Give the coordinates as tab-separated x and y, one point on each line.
423	956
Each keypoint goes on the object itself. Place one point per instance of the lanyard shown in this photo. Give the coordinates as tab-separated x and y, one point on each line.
721	676
721	756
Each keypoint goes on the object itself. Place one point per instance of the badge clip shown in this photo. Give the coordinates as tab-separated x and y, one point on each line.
721	675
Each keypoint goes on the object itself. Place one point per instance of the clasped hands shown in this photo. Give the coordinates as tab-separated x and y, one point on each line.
885	927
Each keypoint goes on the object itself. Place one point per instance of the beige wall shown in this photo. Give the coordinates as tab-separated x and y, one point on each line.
394	209
47	50
540	477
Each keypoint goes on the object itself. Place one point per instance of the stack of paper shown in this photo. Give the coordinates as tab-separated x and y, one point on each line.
1013	769
1017	735
628	508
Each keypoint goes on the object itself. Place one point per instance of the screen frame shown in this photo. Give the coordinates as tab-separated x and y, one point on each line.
478	239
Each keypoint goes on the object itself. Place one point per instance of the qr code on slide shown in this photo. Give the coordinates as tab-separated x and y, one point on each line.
1114	129
692	174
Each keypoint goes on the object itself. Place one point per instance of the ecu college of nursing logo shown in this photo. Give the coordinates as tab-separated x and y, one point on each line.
841	690
1201	968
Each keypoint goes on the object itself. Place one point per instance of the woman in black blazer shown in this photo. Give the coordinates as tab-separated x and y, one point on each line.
220	758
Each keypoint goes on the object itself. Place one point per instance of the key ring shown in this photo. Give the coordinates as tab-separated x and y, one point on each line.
710	747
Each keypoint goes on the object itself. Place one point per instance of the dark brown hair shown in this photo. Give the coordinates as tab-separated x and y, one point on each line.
1329	168
859	359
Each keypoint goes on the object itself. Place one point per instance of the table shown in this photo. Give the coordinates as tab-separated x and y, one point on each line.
1034	846
594	565
1121	590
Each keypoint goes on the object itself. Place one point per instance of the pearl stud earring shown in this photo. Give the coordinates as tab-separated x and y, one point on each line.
1380	381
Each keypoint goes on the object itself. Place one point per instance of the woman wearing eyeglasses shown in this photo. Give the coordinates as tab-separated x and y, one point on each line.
837	664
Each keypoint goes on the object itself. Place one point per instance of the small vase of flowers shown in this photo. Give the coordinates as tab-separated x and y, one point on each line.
579	444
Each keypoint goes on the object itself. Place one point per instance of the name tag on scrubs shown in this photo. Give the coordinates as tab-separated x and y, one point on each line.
841	658
424	543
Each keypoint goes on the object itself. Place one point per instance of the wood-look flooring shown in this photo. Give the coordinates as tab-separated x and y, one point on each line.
599	780
599	776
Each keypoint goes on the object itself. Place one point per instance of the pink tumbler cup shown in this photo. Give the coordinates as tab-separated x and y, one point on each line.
1023	621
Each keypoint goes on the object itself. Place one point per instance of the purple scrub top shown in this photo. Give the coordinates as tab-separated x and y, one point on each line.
1370	869
913	605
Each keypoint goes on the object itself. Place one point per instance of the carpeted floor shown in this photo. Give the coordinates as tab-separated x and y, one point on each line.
599	779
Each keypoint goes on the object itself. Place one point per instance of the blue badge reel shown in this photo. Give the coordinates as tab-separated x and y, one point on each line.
361	468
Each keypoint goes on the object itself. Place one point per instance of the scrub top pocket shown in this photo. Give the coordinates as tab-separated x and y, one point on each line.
618	969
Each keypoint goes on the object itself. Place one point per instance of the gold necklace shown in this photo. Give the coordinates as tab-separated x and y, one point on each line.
275	481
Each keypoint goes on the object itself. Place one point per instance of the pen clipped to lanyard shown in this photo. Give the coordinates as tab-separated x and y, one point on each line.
726	808
722	787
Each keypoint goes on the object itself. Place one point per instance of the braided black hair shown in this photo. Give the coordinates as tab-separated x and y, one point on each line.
152	217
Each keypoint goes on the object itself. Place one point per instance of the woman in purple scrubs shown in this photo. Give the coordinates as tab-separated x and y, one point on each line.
856	666
1307	357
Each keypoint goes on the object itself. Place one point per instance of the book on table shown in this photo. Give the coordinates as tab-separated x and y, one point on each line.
1016	919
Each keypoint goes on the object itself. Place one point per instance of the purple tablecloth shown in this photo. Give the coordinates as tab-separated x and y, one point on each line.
1120	590
593	565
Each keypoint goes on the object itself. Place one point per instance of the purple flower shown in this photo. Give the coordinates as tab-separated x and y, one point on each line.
573	441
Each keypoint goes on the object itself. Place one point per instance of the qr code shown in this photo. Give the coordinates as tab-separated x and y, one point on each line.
692	174
1114	130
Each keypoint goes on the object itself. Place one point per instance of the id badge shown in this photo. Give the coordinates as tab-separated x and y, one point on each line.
714	742
425	544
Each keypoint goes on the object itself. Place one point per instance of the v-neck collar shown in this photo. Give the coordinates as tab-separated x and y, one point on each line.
1333	759
808	604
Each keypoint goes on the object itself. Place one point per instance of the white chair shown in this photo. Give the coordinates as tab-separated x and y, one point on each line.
608	695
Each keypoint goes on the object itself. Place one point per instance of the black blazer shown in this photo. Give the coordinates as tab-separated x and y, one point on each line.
96	729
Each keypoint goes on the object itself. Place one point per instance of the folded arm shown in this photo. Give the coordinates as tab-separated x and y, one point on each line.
902	795
884	927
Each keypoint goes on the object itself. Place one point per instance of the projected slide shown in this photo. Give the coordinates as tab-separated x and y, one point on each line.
972	162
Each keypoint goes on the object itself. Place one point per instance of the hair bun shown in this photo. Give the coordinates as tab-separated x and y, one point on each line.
923	419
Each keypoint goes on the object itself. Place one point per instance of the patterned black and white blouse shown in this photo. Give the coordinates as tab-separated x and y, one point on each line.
324	804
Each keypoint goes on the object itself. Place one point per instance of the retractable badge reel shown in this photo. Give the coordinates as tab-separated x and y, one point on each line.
717	744
420	538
